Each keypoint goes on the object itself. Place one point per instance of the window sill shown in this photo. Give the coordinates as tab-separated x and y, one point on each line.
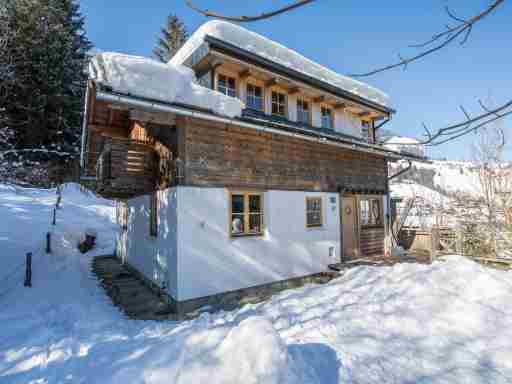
245	235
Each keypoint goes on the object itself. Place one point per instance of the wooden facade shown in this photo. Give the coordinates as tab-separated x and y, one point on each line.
219	155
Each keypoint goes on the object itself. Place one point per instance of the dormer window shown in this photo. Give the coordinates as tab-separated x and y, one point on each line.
278	104
254	97
327	120
303	112
226	85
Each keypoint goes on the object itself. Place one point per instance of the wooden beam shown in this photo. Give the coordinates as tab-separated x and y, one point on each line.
244	74
364	114
340	106
273	81
319	99
293	91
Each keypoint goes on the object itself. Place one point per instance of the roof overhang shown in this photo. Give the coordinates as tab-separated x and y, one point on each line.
229	49
132	101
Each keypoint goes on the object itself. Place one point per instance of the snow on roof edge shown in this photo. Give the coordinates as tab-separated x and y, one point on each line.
278	53
148	78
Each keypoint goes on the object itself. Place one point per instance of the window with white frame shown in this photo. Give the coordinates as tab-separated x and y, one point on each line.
254	97
327	118
303	111
365	131
314	215
278	104
226	85
246	215
370	211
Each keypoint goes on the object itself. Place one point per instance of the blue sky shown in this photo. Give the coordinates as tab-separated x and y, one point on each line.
352	36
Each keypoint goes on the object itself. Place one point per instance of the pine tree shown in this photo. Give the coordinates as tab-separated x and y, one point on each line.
174	35
43	76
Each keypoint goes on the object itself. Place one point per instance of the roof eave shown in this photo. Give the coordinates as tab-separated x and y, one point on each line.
242	54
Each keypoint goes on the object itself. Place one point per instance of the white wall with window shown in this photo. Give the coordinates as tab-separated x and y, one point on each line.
212	260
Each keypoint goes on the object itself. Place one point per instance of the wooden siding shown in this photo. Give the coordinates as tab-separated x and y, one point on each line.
372	241
218	154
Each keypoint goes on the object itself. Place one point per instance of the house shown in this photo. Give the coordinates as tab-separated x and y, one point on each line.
405	145
240	165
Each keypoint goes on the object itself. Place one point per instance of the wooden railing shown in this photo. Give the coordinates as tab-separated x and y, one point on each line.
126	168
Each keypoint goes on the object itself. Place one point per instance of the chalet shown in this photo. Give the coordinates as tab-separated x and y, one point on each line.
239	165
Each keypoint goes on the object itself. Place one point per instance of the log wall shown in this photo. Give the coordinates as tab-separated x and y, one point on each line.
218	155
372	241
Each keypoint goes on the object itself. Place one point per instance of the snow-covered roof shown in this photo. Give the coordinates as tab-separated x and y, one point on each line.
169	83
270	50
402	140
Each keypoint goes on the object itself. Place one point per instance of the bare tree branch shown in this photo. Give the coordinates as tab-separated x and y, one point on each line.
245	19
440	40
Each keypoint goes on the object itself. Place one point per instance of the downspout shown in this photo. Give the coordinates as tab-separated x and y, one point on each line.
341	191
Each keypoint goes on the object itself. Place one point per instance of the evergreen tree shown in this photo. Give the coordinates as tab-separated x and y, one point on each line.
43	77
174	35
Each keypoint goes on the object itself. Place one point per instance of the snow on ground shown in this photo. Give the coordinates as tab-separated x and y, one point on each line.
443	323
261	46
144	77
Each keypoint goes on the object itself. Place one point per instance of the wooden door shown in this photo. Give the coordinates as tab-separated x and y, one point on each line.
349	225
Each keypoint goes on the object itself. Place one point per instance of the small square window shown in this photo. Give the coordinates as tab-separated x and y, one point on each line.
246	214
314	215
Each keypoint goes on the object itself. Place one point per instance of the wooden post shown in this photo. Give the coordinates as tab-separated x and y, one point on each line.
54	215
434	243
48	243
28	270
460	242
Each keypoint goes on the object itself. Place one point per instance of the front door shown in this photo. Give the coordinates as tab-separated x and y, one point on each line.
349	224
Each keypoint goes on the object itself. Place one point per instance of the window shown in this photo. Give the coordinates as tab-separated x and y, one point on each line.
226	85
370	211
303	112
327	121
365	131
246	213
122	214
153	215
314	212
254	97
278	104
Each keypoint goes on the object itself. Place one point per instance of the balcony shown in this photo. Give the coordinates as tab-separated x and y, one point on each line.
126	168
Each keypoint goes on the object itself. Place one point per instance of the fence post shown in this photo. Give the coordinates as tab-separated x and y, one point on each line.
28	270
54	215
460	243
434	243
48	243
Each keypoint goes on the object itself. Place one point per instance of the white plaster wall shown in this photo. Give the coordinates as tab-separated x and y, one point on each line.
151	255
346	123
210	262
292	107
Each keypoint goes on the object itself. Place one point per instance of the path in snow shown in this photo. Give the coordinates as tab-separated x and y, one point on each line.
444	323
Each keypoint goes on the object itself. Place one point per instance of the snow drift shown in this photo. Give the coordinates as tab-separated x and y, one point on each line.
261	46
147	78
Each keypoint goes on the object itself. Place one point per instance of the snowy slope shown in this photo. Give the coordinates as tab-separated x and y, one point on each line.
261	46
449	322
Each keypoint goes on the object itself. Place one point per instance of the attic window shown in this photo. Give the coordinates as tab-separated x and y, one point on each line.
226	85
278	104
327	121
303	112
254	97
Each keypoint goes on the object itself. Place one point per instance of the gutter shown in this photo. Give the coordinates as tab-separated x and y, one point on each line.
182	111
